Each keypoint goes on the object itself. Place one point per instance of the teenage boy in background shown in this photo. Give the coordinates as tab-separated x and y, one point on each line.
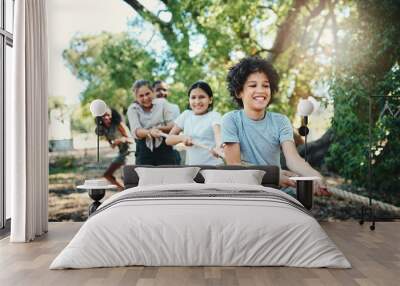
161	90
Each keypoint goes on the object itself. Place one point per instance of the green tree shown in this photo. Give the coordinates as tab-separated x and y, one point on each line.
108	64
235	28
204	38
369	65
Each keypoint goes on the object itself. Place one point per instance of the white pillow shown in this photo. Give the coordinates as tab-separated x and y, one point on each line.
166	176
248	177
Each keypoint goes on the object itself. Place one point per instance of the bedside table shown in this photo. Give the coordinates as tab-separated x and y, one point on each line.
96	193
304	190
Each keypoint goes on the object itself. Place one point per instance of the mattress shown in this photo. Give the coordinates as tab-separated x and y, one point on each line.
201	225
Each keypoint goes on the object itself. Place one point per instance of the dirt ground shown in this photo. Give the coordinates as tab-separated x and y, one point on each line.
70	169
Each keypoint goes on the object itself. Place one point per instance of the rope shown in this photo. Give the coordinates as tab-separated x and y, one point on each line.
198	145
364	200
335	191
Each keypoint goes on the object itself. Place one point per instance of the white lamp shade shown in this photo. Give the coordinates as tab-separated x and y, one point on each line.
98	107
305	107
316	104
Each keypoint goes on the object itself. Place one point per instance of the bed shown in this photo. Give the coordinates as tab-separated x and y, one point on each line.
201	224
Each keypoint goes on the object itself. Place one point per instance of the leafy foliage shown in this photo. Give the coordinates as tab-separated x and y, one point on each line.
368	66
108	64
204	38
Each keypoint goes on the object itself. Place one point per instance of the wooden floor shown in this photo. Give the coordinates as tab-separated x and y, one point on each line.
375	256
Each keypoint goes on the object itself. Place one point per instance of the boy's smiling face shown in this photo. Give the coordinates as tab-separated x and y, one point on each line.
256	92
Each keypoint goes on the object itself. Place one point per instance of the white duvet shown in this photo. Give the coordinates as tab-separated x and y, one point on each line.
206	230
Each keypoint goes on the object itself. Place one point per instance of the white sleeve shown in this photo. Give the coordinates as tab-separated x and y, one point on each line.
180	121
216	118
134	123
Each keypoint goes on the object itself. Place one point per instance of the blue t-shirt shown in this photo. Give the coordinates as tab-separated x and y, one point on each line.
200	128
259	140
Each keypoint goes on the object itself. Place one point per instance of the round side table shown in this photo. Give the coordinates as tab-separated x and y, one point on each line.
96	193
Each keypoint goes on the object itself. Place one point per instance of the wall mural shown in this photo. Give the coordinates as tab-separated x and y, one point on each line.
171	83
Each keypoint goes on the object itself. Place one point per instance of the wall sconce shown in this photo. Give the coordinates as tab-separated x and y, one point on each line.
304	109
98	107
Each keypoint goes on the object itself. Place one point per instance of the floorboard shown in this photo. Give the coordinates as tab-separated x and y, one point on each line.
374	255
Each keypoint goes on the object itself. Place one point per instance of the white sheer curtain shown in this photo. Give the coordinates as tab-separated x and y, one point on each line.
27	143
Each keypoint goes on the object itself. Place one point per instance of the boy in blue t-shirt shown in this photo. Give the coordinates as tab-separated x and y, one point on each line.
255	136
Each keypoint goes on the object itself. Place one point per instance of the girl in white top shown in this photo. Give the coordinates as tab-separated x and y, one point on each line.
200	126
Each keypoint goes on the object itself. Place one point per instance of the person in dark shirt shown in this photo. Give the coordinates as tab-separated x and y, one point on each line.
118	135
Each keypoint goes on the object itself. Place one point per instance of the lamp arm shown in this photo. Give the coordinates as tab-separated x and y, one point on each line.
305	147
99	132
98	140
303	131
305	120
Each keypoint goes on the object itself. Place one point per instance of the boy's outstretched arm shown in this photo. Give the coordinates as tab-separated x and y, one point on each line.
232	153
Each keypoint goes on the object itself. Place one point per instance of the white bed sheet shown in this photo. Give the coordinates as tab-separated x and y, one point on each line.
192	231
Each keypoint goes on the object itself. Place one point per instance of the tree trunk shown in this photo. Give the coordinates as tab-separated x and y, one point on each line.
317	150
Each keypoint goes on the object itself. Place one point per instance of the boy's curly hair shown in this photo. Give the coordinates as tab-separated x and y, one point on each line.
239	73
